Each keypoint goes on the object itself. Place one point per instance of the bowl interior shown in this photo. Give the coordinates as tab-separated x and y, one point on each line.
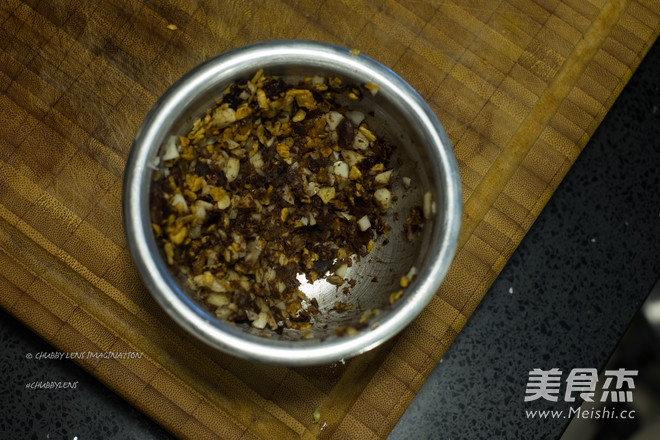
422	155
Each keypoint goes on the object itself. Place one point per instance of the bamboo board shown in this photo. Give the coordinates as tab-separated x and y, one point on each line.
520	86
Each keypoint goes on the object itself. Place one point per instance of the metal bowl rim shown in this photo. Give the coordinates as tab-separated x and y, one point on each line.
226	337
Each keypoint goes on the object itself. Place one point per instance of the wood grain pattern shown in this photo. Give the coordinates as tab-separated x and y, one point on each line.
520	86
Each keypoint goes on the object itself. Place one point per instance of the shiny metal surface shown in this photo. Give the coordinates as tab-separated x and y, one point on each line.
424	155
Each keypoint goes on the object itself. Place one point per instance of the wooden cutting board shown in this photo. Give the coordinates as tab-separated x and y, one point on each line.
520	86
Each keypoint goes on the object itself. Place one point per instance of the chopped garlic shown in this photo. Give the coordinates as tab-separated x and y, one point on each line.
179	202
351	157
341	169
383	178
287	196
355	116
354	173
333	119
232	168
360	142
341	270
367	133
153	163
299	116
426	207
312	188
170	150
218	299
382	197
373	88
326	193
257	162
364	223
224	116
260	159
345	215
394	297
261	321
336	280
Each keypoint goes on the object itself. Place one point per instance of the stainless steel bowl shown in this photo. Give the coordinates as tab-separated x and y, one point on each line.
424	154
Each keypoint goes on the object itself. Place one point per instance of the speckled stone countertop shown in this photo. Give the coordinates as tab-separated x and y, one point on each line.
563	301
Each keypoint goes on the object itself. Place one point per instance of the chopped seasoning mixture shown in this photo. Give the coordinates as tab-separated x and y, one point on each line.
276	180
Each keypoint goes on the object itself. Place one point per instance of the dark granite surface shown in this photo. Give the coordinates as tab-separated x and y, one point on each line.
563	301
